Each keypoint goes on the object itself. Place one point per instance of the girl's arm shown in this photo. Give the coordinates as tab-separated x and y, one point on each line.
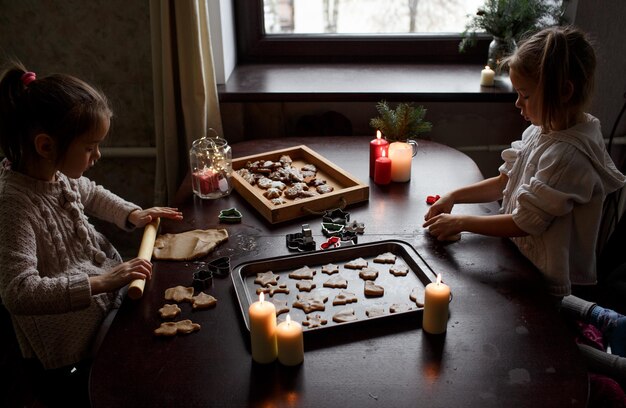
443	226
482	192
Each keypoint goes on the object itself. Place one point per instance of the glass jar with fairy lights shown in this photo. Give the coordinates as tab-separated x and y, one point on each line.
210	159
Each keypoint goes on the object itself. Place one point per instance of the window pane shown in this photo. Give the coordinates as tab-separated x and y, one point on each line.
367	16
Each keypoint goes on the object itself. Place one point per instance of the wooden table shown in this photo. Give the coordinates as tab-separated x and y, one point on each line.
505	344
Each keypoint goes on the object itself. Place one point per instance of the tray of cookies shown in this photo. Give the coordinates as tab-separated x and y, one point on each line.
324	289
290	183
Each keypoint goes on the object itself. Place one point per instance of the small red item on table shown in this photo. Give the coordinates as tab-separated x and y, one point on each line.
207	179
382	170
377	147
432	199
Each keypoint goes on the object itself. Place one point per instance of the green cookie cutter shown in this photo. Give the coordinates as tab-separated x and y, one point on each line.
230	215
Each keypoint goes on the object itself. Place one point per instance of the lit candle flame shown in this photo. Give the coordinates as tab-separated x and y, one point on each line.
378	134
288	320
438	278
261	297
383	153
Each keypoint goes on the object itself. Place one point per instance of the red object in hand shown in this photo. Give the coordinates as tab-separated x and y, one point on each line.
377	147
382	170
432	199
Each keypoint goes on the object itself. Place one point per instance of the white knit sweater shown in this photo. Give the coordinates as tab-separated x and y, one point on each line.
48	250
556	189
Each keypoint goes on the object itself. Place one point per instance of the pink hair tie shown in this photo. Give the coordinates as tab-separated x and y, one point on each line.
28	77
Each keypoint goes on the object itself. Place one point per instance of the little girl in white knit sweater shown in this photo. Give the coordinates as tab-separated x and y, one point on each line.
59	277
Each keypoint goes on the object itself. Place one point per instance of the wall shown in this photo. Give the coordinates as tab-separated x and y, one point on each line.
603	21
107	43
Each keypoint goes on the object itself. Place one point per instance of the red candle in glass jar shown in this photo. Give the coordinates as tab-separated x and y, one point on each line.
377	146
207	180
382	169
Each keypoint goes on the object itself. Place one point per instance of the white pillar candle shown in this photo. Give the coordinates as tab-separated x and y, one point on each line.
400	154
262	316
487	76
436	299
290	342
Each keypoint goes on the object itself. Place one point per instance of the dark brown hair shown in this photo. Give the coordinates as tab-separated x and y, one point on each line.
61	106
554	58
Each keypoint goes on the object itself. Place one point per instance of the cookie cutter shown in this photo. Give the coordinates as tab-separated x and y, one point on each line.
356	227
330	229
336	216
346	238
432	199
230	215
202	279
220	267
301	241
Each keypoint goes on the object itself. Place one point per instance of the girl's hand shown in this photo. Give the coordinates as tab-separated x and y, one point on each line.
121	275
442	206
444	226
140	218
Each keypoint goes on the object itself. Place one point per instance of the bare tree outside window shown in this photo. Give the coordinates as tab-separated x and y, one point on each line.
367	16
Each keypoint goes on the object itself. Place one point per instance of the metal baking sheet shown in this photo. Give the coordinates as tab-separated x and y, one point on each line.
397	288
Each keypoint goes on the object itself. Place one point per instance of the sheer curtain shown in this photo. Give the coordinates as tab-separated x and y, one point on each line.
185	92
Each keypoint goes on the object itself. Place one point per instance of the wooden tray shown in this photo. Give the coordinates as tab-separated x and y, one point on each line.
347	189
397	288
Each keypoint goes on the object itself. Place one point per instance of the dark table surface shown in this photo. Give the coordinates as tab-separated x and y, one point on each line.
506	346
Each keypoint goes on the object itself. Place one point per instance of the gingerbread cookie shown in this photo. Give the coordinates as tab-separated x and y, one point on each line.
417	296
374	311
399	270
336	282
358	263
172	328
179	294
324	188
345	315
271	289
203	301
311	302
330	268
169	311
303	273
368	273
314	320
305	285
281	306
399	308
387	257
373	290
344	298
267	278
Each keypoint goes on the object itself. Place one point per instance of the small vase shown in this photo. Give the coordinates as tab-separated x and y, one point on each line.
498	49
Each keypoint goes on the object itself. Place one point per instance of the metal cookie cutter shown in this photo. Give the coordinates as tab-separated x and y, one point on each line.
202	279
356	227
220	267
336	216
301	241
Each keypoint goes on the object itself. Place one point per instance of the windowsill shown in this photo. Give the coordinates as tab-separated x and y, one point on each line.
359	82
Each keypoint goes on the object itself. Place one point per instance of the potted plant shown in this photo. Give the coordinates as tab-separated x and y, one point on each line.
398	126
507	21
402	123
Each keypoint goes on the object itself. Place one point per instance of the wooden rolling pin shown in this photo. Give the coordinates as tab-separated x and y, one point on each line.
135	289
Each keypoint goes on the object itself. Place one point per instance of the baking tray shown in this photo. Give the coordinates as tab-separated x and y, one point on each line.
397	288
347	188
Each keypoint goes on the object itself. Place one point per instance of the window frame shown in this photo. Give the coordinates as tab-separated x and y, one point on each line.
254	46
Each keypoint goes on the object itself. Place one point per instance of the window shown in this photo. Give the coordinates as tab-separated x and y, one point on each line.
426	31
